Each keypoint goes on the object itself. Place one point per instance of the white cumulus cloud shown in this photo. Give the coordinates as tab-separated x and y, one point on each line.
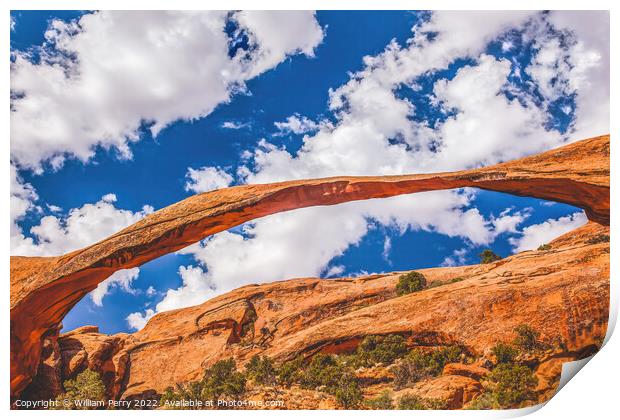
296	124
455	259
100	78
588	68
121	279
279	35
137	320
23	198
234	125
59	234
536	235
207	179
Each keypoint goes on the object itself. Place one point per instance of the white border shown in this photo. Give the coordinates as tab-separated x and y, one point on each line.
591	396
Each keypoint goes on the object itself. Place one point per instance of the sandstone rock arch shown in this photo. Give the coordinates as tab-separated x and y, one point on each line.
44	289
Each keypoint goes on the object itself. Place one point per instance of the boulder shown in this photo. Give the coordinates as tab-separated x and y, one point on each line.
461	369
453	390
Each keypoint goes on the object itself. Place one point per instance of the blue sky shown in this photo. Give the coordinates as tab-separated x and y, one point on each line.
527	63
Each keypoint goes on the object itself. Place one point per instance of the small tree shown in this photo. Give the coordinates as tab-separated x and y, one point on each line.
601	238
223	380
414	402
411	402
419	364
290	372
504	353
261	370
512	385
380	349
322	371
487	256
83	393
527	337
382	402
348	393
326	373
485	401
192	391
410	282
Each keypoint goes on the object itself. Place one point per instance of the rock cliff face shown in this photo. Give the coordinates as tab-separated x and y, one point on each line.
565	289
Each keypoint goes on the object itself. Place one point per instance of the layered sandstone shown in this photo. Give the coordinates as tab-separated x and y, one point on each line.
315	314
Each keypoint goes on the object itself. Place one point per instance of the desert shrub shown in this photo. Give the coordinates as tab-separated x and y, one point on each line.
347	392
290	371
512	384
380	349
504	353
192	391
406	372
381	402
261	370
170	394
420	364
414	402
439	283
485	401
598	239
527	338
449	354
324	372
487	256
223	380
410	402
435	404
544	247
410	282
87	386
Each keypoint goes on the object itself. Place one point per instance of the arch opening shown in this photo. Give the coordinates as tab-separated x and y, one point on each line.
504	223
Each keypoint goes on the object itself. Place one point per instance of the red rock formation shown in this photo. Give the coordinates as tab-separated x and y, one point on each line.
43	290
461	369
454	390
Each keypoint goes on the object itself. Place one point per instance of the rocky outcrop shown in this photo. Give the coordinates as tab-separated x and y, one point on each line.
461	369
453	391
43	290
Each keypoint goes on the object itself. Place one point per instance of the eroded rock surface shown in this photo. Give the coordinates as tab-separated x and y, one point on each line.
453	390
565	289
461	369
